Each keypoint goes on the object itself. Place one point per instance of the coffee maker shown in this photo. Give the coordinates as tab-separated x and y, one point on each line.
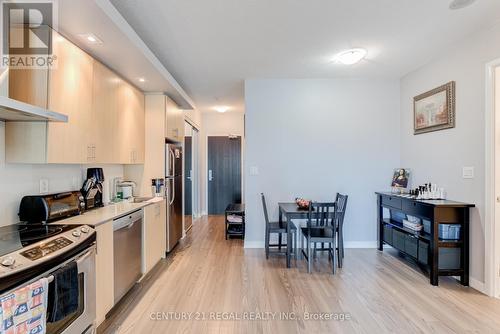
92	188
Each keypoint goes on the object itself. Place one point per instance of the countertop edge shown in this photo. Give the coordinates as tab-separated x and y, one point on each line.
103	215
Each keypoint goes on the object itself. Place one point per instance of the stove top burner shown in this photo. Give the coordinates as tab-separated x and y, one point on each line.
30	235
18	236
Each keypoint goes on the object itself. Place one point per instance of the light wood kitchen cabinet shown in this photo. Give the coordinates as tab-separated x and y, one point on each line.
130	124
174	118
105	133
104	271
29	86
154	235
70	93
106	114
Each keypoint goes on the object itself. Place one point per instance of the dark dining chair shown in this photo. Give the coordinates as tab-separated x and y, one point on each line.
341	201
277	228
321	228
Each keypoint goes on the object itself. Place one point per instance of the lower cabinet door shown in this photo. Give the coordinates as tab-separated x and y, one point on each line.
398	240
104	271
388	234
423	252
411	246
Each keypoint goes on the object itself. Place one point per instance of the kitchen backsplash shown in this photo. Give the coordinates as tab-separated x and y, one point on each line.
17	180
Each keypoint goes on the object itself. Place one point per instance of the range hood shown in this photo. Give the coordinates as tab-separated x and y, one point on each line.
13	110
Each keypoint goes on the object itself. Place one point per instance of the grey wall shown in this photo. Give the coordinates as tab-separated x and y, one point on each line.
313	138
439	156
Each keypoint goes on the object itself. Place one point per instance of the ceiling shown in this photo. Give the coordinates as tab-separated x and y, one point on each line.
212	46
122	49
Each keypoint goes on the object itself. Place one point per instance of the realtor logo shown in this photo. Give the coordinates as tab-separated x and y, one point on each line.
27	34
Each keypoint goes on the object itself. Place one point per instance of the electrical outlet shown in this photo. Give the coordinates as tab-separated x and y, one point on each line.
467	172
254	170
44	186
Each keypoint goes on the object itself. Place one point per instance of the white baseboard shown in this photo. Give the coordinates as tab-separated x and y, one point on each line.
254	244
348	244
360	244
477	285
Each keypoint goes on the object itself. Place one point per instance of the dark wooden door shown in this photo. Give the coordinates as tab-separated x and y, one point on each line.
224	173
188	181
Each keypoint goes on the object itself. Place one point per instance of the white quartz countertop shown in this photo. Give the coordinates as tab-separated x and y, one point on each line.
107	213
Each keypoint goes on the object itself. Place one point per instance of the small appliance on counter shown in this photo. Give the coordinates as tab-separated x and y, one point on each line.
92	189
158	187
125	189
44	208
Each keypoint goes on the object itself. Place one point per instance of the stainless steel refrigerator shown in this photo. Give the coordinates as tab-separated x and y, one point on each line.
173	189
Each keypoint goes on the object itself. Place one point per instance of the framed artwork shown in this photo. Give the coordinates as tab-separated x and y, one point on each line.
400	178
435	110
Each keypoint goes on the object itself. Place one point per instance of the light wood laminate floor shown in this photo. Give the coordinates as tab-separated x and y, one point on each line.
378	292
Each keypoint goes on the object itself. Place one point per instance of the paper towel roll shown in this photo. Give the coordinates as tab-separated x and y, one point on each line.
106	192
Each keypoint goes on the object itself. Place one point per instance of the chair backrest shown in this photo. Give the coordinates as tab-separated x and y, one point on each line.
264	207
321	215
341	201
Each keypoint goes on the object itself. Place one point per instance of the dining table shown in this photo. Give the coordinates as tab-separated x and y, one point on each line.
289	211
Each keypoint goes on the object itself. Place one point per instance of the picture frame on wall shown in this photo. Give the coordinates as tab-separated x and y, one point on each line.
435	109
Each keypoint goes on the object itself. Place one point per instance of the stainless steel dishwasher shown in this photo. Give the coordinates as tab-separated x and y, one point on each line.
127	247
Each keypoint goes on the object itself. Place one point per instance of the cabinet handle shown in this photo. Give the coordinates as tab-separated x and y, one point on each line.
93	152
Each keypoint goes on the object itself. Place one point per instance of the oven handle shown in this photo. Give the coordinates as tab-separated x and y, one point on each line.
82	258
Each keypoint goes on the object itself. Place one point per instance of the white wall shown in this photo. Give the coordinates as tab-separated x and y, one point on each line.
216	124
312	138
438	157
17	180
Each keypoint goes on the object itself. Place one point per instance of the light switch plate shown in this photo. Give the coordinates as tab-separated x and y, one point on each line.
468	172
254	170
44	186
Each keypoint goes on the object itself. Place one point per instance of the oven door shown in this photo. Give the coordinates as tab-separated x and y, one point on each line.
82	320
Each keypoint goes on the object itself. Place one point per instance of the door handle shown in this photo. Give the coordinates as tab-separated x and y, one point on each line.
210	175
173	191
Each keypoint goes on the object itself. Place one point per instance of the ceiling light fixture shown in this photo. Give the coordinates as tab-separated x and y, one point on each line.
142	80
221	109
459	4
91	38
351	56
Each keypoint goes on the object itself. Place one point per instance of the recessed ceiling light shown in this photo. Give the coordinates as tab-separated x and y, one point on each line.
221	109
459	4
142	80
351	56
91	38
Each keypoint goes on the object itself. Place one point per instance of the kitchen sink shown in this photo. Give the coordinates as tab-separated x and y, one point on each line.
142	199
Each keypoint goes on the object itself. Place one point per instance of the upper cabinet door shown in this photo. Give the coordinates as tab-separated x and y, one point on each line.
70	93
28	85
174	127
131	124
104	135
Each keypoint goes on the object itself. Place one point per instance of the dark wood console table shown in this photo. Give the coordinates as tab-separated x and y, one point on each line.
441	257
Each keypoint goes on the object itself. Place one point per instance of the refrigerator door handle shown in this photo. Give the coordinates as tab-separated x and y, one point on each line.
173	162
173	191
210	176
